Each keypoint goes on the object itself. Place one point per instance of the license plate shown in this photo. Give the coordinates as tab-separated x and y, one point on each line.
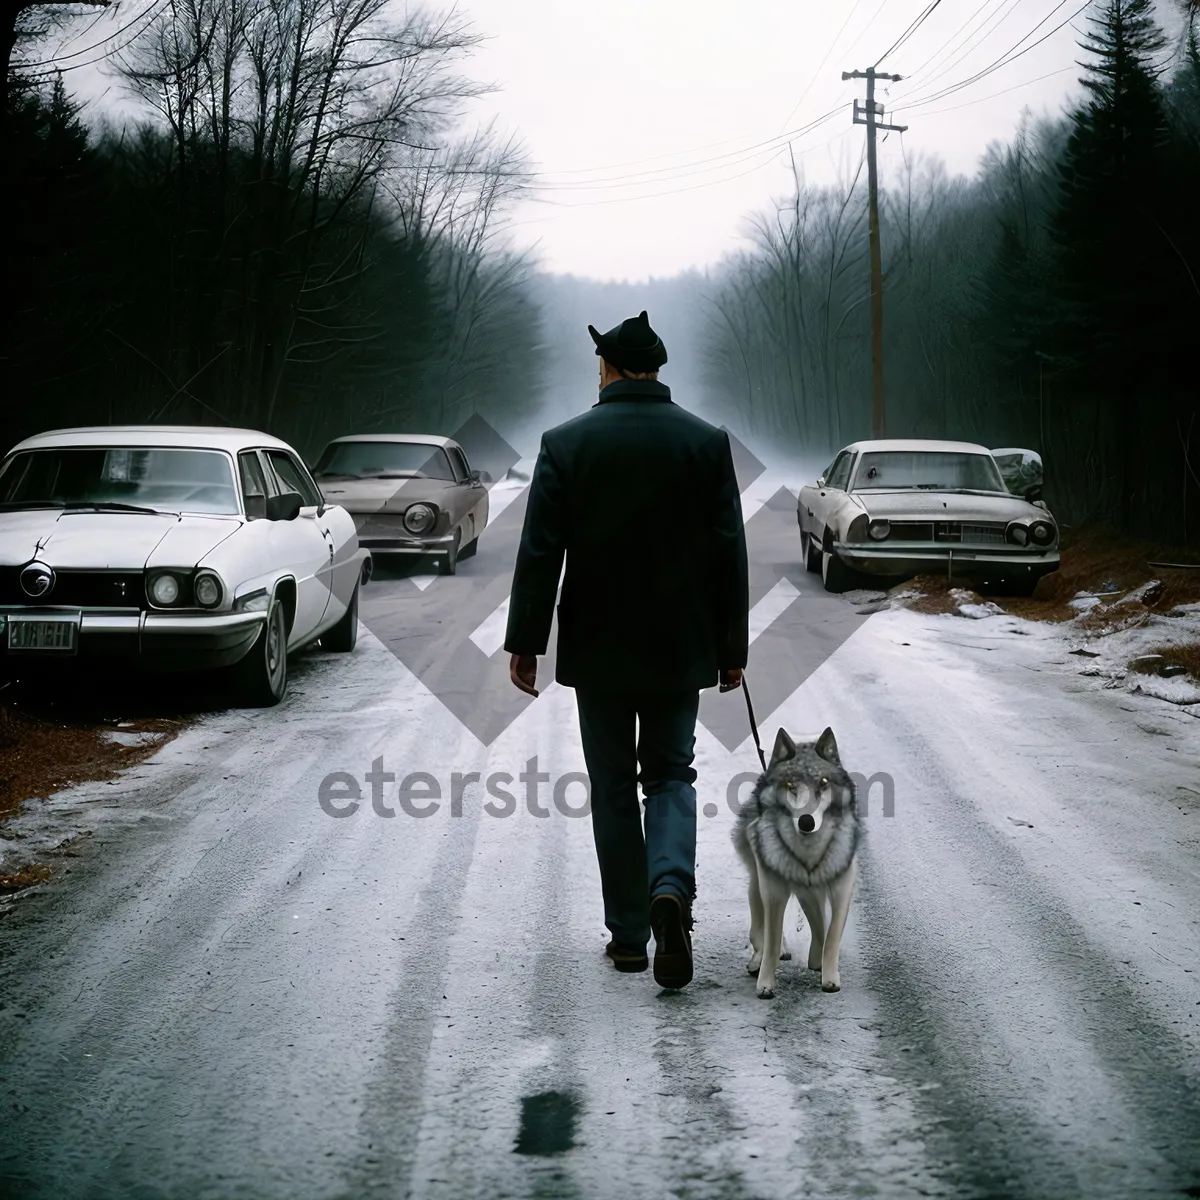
52	634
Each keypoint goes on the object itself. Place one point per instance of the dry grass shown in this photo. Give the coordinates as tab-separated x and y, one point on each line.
43	751
38	873
1186	656
1092	562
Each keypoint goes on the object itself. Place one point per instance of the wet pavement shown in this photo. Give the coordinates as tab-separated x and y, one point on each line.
233	993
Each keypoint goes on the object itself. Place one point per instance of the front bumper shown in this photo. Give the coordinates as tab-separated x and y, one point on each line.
391	543
165	641
921	558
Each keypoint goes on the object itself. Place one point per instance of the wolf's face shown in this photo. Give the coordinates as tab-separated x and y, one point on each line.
805	782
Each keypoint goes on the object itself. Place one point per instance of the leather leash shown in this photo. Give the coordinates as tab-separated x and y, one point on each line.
753	723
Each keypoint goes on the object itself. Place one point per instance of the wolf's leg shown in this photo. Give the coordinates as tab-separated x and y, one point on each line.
774	900
840	894
785	950
813	904
756	922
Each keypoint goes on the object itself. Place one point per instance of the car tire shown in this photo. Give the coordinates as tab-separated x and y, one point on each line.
835	575
343	637
260	679
469	550
812	556
448	563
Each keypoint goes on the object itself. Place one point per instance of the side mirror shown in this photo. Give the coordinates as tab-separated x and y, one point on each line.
284	507
1022	471
820	481
484	476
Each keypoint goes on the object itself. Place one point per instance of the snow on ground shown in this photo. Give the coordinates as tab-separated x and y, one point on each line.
1106	648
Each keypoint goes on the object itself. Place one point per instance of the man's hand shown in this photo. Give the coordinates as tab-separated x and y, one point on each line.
522	670
731	679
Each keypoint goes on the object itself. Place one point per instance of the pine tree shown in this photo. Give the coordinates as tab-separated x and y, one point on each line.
1106	227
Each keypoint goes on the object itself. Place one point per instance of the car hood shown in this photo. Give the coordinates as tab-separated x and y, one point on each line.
909	503
374	495
116	541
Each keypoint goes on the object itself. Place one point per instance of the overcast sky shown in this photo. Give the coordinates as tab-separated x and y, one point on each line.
648	118
593	88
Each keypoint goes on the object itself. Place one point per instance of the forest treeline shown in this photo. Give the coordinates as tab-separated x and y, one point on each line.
295	237
1052	302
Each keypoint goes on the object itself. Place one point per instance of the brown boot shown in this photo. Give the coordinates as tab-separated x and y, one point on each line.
627	958
671	920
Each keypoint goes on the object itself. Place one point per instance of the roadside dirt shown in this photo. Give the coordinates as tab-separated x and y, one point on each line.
47	747
1093	563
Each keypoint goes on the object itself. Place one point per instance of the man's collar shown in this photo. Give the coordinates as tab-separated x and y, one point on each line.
635	389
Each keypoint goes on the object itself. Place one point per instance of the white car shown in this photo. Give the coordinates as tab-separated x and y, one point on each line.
174	548
892	508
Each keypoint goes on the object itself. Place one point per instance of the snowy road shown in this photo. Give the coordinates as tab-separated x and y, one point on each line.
235	994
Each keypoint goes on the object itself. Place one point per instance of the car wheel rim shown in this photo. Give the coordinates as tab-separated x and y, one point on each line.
274	657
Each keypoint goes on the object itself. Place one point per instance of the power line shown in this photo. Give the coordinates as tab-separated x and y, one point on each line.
912	28
683	170
821	67
767	159
1009	56
862	33
1003	91
961	40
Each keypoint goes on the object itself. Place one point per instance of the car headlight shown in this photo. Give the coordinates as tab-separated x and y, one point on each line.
419	518
879	529
1041	532
1016	533
207	590
164	590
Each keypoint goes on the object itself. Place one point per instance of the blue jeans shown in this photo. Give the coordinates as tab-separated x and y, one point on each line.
657	730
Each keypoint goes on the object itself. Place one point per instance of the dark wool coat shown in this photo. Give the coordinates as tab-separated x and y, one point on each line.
641	498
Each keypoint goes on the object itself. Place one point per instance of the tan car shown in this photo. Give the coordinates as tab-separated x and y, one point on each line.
409	494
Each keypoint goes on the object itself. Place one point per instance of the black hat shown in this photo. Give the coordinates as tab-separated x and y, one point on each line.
631	346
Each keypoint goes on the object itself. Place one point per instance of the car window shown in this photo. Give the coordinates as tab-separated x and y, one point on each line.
254	487
383	460
293	476
932	470
163	478
459	462
839	474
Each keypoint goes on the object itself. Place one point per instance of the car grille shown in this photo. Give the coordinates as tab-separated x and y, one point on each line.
373	524
79	589
988	535
948	531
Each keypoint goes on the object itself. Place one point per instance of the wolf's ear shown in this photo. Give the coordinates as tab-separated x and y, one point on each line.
784	749
827	747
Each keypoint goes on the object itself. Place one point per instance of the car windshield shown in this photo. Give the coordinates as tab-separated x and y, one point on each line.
120	478
932	470
382	460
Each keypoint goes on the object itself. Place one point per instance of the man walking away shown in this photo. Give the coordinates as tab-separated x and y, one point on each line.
642	499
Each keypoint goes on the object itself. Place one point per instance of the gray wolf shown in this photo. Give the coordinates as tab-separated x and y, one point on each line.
799	835
640	499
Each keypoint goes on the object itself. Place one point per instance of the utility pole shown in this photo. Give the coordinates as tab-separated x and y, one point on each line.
869	115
